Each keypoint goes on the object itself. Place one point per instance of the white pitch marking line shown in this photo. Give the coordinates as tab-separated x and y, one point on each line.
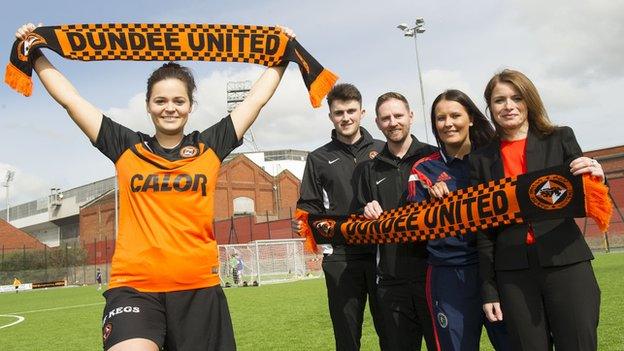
19	320
60	308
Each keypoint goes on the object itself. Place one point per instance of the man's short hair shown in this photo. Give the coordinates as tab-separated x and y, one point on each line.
388	96
344	92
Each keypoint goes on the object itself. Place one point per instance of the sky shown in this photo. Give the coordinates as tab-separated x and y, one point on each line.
571	49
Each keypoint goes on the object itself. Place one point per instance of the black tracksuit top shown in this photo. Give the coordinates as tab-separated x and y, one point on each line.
385	179
330	169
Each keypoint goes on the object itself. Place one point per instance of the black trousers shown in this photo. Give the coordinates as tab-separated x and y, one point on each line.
348	285
543	306
407	315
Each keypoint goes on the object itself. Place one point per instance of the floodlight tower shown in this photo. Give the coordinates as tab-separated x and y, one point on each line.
419	28
10	174
236	93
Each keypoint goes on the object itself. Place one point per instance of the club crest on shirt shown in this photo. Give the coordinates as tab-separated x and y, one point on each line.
189	151
551	192
372	154
325	227
106	331
442	320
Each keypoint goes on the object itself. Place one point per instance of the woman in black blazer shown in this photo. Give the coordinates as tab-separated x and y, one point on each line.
538	273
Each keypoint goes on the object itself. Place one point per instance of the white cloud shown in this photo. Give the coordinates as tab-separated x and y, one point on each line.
24	187
571	104
281	123
581	39
289	120
437	81
133	115
560	94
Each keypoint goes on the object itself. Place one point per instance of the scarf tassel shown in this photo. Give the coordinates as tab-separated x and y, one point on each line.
306	231
321	86
598	206
18	80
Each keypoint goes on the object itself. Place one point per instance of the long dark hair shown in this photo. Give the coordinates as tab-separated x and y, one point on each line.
481	132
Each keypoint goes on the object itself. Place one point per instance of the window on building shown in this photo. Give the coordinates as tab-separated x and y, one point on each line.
243	205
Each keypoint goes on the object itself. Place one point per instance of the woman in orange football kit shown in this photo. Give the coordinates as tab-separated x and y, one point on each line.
164	290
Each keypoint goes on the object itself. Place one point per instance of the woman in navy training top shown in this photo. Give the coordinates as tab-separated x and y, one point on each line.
453	291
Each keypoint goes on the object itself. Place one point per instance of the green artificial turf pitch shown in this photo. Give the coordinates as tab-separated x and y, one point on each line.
289	316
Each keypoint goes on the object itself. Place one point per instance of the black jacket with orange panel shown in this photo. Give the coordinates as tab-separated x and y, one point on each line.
327	186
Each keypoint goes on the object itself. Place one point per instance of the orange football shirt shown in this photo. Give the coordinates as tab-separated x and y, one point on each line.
166	204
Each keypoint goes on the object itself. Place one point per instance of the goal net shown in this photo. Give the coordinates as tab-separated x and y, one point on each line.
262	261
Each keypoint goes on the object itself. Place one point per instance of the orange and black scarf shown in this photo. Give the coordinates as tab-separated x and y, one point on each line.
266	46
547	194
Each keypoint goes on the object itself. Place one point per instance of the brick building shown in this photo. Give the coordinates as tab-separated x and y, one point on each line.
12	239
97	228
612	161
243	188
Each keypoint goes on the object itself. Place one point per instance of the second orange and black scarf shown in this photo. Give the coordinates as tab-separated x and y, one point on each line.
547	194
266	46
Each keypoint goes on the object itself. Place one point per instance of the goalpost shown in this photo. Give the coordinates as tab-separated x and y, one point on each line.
262	261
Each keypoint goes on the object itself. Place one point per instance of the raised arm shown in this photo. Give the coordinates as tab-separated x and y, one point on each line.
85	115
247	111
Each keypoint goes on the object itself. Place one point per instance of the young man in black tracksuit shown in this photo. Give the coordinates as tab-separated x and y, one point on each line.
382	185
327	188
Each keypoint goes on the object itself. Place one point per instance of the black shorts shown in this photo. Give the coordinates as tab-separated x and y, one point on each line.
176	321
